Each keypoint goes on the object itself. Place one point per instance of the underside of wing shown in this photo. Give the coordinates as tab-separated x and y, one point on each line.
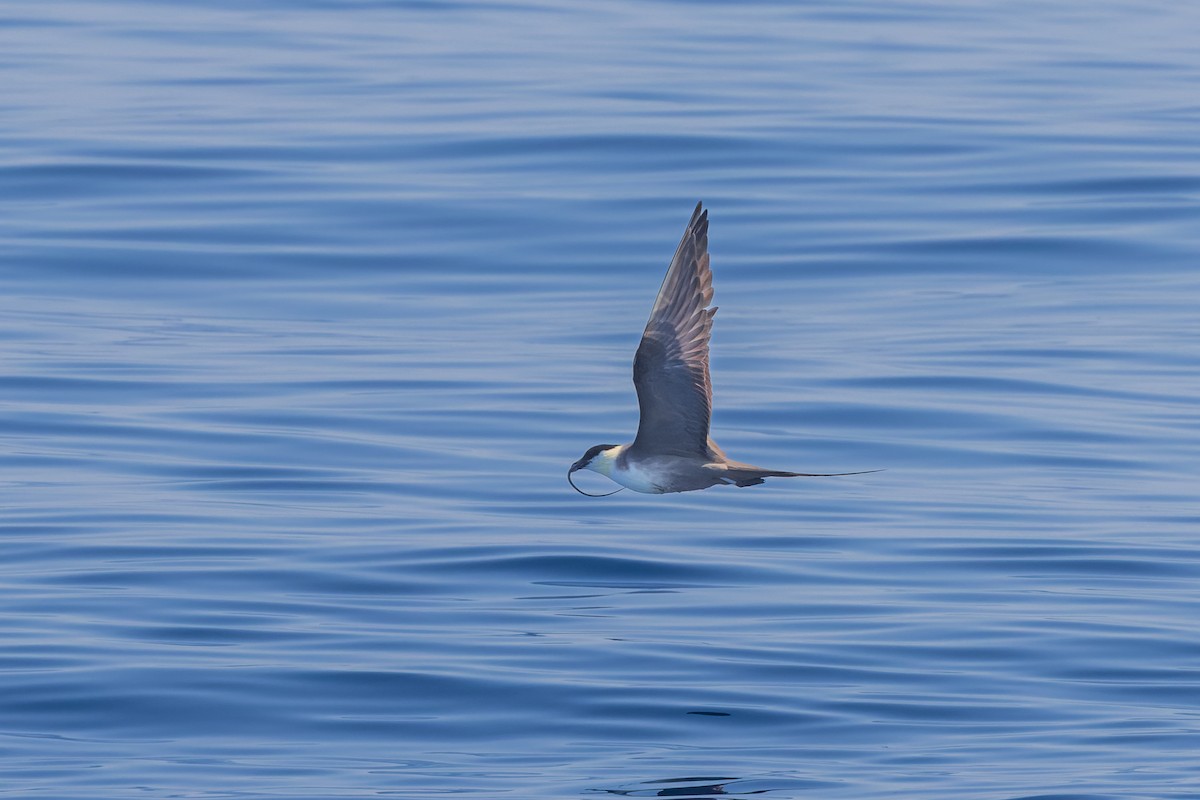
670	370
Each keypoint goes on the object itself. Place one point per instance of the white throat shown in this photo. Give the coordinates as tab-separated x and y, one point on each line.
605	462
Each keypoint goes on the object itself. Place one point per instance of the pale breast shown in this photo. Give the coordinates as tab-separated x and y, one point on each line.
640	477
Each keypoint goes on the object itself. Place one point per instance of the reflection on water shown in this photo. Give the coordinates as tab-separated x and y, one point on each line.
696	788
307	309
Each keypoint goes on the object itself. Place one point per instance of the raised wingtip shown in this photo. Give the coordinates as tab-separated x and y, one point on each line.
698	227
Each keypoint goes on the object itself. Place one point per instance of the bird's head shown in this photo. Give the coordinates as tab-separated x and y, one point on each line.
598	459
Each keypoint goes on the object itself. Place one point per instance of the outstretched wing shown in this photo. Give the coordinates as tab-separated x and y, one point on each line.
670	370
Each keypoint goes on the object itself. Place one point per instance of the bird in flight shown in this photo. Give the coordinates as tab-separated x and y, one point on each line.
672	451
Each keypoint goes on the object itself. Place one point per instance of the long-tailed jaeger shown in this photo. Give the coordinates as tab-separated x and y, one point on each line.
672	451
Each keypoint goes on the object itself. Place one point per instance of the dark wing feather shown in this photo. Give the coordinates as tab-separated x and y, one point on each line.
670	370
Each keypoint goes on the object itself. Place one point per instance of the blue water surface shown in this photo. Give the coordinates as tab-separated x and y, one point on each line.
306	307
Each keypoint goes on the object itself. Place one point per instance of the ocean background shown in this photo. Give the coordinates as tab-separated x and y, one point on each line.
306	307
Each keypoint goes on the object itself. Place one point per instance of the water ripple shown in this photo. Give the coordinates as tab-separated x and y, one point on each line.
307	309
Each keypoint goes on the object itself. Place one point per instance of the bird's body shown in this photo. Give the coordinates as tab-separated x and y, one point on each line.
663	473
654	474
672	451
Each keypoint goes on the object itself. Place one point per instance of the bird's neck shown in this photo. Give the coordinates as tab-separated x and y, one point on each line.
606	460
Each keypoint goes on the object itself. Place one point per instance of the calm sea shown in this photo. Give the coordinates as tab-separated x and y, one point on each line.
306	307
